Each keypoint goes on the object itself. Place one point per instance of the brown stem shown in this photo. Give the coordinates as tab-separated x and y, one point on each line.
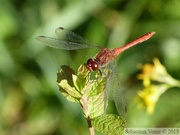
91	128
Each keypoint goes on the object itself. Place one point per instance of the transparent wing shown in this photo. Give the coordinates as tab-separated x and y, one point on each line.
113	85
67	40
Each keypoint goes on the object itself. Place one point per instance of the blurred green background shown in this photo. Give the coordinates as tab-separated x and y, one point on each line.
30	101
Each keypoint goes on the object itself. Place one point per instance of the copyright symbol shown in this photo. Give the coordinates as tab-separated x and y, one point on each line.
164	131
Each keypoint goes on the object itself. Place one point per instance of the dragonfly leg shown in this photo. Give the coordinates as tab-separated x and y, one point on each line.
100	72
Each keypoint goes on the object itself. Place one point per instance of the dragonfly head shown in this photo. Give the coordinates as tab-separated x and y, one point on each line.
92	65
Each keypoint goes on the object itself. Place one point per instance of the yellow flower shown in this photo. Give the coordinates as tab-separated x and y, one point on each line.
147	70
155	72
150	95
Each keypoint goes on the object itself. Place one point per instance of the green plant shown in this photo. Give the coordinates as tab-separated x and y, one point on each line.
89	92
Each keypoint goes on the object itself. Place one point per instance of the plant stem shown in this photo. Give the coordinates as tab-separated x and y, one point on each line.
91	128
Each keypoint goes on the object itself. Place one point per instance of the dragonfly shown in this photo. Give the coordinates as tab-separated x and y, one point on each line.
68	40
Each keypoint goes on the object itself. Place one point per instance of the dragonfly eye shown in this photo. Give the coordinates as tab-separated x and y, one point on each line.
92	65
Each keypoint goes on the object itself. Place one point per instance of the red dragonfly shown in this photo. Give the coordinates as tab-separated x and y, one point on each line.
68	40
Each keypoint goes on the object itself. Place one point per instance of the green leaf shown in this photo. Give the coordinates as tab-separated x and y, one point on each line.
65	73
69	92
96	105
98	87
109	124
92	101
81	79
96	98
82	71
66	85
